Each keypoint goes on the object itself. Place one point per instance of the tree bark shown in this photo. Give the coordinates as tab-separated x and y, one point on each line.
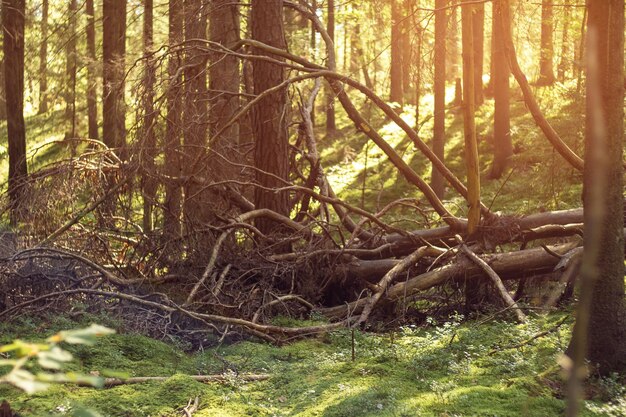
469	122
43	60
502	143
546	56
564	63
173	162
271	155
601	317
331	123
92	82
70	72
478	29
13	21
439	130
149	148
114	50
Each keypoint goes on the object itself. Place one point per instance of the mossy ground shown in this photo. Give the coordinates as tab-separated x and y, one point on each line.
451	368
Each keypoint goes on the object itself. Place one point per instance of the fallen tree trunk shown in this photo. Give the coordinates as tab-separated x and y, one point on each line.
503	264
114	382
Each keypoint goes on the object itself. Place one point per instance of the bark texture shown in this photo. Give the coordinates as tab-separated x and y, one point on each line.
271	154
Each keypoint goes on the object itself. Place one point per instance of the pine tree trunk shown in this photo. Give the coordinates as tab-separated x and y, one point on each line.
114	50
3	96
331	124
502	144
271	155
43	60
13	12
195	113
173	160
70	72
565	45
439	131
92	82
469	122
224	89
453	50
478	22
149	148
546	58
407	48
601	317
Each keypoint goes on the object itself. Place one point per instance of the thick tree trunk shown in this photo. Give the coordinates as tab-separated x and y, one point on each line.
114	50
331	124
92	82
3	95
396	94
43	60
439	130
70	72
601	317
469	122
271	155
173	161
224	98
195	115
546	56
149	148
13	20
502	143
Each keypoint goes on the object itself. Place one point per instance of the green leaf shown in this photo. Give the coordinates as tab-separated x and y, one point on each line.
86	336
25	381
54	358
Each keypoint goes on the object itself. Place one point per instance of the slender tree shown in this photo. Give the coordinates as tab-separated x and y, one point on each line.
13	19
469	122
92	82
149	150
478	29
546	56
71	66
173	160
502	144
331	124
396	93
271	155
113	51
564	62
43	59
439	130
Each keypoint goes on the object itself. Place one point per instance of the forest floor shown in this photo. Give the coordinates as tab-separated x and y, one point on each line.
450	368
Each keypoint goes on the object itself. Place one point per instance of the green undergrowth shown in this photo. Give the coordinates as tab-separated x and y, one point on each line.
450	368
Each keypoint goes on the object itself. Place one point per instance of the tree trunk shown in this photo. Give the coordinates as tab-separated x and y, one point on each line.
3	96
469	122
478	22
331	124
173	163
395	94
565	45
600	328
407	47
149	148
92	82
502	144
546	56
114	50
43	60
224	97
13	12
195	113
453	50
70	72
271	155
439	131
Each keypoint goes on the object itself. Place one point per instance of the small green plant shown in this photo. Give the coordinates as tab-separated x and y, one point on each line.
23	357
